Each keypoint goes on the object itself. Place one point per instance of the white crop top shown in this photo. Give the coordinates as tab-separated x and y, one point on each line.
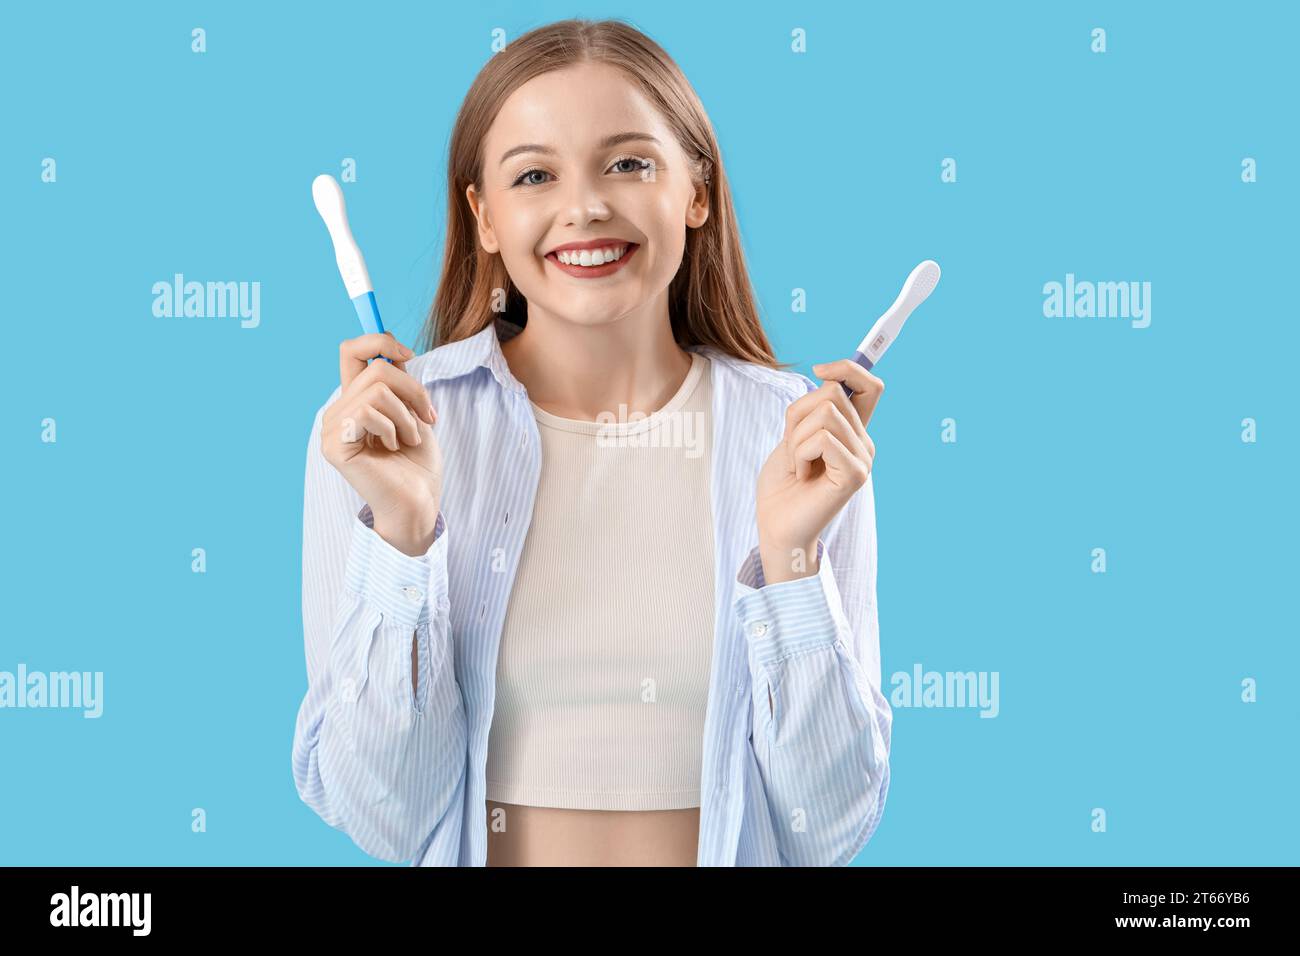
603	674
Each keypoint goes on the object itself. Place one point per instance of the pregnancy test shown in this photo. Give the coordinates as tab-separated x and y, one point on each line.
916	290
328	196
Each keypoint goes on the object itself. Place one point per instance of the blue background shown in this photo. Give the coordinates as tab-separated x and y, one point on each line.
1118	690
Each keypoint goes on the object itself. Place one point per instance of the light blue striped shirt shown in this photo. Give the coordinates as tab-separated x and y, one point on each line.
798	782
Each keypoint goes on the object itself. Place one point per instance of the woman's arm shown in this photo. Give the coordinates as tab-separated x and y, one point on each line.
380	741
822	742
821	727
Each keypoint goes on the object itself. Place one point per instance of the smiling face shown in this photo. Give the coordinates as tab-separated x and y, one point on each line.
578	157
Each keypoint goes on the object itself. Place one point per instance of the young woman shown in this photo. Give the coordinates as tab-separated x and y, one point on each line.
618	608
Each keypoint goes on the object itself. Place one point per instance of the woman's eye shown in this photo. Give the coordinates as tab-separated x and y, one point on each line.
529	172
634	165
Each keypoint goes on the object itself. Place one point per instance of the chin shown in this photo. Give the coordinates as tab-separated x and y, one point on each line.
596	314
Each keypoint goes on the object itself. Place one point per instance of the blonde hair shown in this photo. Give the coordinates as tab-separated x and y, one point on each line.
711	301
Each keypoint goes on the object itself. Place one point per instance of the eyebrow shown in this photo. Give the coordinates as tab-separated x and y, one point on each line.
608	141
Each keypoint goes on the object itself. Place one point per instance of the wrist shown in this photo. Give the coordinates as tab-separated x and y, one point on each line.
411	533
787	562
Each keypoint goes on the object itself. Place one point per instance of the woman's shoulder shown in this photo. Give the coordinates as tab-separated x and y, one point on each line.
452	360
756	377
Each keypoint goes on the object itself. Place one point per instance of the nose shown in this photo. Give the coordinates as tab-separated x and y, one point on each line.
583	201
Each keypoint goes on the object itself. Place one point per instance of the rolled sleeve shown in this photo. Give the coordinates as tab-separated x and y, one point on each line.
788	617
403	587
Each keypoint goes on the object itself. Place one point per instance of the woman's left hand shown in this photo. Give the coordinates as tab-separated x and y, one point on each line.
824	457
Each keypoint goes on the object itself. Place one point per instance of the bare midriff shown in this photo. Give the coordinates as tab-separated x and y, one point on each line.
521	835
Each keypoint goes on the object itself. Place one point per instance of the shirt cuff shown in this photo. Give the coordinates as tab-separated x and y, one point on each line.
788	617
402	586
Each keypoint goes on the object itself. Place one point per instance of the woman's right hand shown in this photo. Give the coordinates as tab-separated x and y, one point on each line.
379	435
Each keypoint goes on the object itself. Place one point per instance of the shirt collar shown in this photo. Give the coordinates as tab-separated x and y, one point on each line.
480	349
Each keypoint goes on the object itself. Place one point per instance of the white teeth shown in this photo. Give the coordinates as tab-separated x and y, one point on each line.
591	257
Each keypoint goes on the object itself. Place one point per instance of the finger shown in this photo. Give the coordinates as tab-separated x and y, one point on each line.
354	354
401	363
842	467
867	388
828	392
407	388
378	424
398	363
807	454
384	400
802	466
829	416
826	418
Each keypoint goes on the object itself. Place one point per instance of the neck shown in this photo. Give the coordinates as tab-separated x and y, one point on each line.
578	371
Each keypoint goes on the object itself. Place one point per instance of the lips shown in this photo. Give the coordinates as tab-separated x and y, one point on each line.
593	272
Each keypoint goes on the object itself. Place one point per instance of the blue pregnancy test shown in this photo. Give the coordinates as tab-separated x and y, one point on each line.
328	196
916	290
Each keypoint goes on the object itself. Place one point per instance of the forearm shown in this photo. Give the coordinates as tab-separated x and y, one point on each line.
413	537
821	727
379	749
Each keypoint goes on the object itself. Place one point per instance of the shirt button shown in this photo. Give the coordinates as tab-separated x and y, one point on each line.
758	629
412	594
348	691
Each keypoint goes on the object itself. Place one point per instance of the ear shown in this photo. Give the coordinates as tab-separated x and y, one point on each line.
697	213
487	236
